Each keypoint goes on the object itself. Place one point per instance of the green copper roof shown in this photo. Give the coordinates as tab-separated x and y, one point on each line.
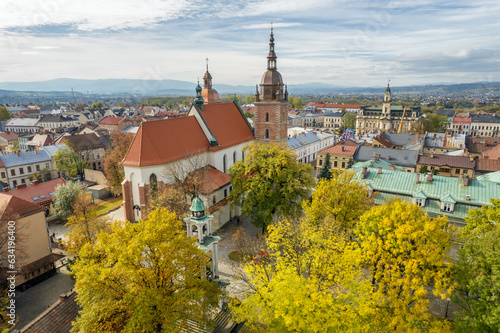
419	194
207	240
448	198
376	163
392	184
490	177
197	205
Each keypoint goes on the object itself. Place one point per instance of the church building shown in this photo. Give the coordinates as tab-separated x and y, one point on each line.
271	104
386	118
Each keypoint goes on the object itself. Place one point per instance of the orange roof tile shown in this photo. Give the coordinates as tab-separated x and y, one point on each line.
108	120
211	179
12	207
493	152
164	141
488	165
227	124
29	192
340	150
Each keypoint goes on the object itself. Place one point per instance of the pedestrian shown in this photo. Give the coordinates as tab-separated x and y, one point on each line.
238	221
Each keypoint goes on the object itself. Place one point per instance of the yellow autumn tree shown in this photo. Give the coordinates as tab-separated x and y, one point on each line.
308	280
406	253
341	199
143	277
84	225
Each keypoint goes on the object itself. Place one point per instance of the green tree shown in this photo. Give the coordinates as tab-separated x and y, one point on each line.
120	142
325	172
297	103
406	253
422	126
249	99
306	281
143	277
97	105
477	276
439	122
349	120
270	182
482	220
248	114
340	200
64	198
70	162
423	169
4	114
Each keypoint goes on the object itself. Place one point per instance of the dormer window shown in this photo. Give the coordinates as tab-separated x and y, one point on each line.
419	201
447	206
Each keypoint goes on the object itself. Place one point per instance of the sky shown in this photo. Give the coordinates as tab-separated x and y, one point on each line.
339	42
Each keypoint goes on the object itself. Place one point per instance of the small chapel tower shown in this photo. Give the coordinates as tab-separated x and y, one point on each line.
271	104
199	225
209	94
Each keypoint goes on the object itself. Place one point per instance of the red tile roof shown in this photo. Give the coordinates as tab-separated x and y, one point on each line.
462	119
345	150
447	160
164	141
12	207
493	152
384	141
212	179
484	164
227	124
57	318
168	140
108	120
29	192
9	136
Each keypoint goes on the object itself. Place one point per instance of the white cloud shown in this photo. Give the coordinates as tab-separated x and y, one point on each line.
275	25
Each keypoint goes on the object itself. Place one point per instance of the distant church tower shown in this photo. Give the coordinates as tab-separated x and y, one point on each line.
271	104
386	107
209	94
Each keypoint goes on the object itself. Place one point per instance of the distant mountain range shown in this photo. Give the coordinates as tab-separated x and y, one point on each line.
63	87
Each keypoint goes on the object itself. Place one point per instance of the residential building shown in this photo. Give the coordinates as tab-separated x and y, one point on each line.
38	193
447	165
111	124
38	141
22	125
23	139
476	146
440	143
32	236
437	195
386	117
51	122
20	166
90	148
485	125
307	144
333	119
8	140
399	140
405	159
332	107
341	155
461	125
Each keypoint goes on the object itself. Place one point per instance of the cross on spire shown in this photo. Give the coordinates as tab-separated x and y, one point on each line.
207	62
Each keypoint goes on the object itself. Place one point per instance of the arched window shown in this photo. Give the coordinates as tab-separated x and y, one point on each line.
267	133
243	156
153	185
234	157
267	117
224	160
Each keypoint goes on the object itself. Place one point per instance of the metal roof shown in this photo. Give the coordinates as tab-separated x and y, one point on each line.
22	122
404	183
302	140
445	140
52	150
376	164
29	157
402	139
402	157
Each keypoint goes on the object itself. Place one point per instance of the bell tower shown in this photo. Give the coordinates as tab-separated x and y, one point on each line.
386	107
271	103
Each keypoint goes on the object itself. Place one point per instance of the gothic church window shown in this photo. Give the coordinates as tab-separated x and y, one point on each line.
153	185
224	163
267	117
267	133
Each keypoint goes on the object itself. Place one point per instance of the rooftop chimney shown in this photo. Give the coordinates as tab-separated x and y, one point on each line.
429	177
63	297
467	197
418	178
5	189
388	157
364	173
35	182
17	153
36	152
20	186
391	167
466	180
379	171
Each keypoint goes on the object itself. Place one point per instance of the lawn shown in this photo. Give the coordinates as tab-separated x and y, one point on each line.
109	205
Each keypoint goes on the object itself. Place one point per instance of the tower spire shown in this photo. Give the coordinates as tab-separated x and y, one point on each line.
271	57
207	78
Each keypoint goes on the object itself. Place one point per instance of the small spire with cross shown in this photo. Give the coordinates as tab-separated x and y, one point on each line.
207	63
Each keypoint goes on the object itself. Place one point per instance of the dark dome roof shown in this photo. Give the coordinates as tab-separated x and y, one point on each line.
272	77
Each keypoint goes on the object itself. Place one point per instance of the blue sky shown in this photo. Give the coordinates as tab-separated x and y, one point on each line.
346	43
